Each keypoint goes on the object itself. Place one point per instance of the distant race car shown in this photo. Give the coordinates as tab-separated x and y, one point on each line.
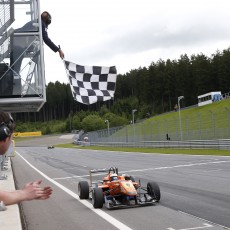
117	191
50	147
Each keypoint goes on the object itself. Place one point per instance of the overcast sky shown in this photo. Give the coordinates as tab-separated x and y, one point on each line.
133	33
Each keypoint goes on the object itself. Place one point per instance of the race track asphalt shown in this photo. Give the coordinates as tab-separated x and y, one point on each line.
190	199
45	140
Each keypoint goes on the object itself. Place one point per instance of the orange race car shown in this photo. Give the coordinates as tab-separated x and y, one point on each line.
118	190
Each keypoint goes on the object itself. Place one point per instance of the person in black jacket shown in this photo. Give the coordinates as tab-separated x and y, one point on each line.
46	20
22	42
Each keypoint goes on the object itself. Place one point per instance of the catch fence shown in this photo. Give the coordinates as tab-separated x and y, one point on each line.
209	130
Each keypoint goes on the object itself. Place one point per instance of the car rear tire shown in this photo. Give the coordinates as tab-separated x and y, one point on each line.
97	198
154	190
83	190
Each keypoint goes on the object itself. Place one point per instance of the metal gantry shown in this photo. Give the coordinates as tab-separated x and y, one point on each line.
22	74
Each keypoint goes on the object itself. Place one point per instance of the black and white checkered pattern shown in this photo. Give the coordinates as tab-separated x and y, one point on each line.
90	84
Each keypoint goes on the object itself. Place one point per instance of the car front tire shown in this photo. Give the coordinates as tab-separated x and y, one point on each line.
153	190
97	198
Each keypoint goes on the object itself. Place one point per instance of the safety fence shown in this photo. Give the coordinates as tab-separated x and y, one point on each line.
3	176
195	144
3	166
201	130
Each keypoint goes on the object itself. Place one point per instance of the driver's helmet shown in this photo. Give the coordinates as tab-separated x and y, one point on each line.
113	177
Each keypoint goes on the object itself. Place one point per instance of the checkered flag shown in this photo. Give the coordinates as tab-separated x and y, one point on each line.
90	84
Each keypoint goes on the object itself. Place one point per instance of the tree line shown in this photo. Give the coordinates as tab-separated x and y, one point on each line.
150	90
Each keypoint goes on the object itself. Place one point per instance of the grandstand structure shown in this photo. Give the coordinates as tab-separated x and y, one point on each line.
22	74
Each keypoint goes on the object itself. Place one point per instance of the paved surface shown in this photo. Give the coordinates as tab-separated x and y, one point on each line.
195	189
46	140
10	218
171	173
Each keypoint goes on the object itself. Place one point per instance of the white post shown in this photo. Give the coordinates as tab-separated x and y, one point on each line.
107	121
133	111
181	135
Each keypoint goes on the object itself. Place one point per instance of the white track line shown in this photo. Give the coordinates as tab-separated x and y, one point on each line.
202	219
158	168
195	228
116	223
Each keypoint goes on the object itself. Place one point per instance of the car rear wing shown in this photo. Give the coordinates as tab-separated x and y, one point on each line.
92	171
98	170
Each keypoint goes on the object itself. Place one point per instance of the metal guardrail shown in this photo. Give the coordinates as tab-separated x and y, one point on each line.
3	164
221	144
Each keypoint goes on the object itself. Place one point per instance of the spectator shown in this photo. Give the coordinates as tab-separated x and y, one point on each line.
32	190
176	107
167	137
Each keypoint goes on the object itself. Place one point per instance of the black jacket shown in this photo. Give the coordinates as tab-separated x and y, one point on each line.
46	38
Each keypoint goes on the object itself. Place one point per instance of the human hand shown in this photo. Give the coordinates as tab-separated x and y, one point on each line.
61	54
33	191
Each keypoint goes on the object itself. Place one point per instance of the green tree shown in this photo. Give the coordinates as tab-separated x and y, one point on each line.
76	123
93	122
115	120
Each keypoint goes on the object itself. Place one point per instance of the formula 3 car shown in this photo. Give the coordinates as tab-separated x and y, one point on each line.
116	191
